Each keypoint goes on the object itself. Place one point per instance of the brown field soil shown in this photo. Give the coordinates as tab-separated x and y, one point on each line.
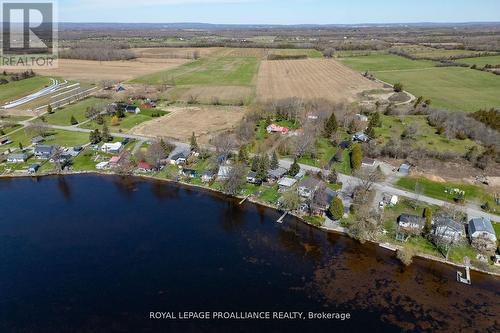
310	79
204	121
207	94
95	71
174	52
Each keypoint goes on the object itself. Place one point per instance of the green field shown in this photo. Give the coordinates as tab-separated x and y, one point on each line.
126	123
436	190
452	88
384	62
426	137
481	61
18	89
310	53
62	116
420	51
223	71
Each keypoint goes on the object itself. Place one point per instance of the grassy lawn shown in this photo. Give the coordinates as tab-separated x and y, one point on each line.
325	152
269	194
384	62
437	190
481	61
223	71
496	226
126	123
17	89
62	116
452	88
426	137
310	53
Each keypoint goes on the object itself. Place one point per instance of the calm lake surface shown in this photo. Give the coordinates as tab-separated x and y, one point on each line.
98	254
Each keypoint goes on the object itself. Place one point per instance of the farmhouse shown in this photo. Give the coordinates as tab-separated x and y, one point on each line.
274	128
189	173
44	152
132	109
445	227
480	230
17	158
112	148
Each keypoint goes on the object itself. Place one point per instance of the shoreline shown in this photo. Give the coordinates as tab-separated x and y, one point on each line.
337	230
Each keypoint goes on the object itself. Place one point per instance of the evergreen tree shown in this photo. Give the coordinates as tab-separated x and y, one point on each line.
106	136
375	120
95	136
49	109
428	221
331	126
21	146
194	143
356	157
275	163
73	120
294	169
255	163
336	209
263	167
243	154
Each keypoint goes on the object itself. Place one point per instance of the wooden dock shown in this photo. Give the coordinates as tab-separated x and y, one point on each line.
466	279
244	199
280	220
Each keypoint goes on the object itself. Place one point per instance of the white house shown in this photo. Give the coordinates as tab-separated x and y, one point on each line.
102	166
17	158
132	109
481	228
112	148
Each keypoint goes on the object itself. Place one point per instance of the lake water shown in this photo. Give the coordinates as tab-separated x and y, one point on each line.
98	254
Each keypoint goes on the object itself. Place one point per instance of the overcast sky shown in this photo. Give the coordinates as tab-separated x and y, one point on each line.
279	11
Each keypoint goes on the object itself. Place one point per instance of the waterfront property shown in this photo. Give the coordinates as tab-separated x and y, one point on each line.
409	225
17	158
446	228
308	186
481	234
112	148
44	152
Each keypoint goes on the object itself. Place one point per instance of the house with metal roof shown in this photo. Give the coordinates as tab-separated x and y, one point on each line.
481	229
447	228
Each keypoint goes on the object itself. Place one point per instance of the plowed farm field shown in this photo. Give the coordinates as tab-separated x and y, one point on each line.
310	79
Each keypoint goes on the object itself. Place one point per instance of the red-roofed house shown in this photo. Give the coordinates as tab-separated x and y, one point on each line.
115	160
144	166
273	128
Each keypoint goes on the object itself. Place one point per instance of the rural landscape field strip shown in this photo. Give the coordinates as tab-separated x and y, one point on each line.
309	79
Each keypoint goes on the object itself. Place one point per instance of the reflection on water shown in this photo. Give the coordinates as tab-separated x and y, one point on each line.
97	254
